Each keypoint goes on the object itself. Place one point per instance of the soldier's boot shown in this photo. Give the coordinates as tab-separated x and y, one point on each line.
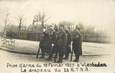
43	55
55	60
66	56
49	58
59	61
76	59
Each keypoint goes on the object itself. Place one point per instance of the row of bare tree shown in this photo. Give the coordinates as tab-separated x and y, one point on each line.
39	22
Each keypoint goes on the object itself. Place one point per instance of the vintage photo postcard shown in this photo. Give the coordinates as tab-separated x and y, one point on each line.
57	36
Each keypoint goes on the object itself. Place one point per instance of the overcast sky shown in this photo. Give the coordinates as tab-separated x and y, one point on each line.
98	13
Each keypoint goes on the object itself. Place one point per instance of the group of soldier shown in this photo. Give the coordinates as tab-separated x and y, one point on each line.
58	43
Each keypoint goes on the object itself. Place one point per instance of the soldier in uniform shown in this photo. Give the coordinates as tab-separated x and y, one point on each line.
77	43
48	40
45	43
41	45
68	45
54	44
61	43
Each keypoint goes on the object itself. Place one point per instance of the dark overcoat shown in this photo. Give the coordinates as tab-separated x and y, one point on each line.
45	42
61	39
77	42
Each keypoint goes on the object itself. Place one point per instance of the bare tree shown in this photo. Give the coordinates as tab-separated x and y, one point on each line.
5	24
39	23
40	18
20	24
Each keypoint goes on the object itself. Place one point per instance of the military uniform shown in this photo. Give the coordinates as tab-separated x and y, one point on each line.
41	45
54	46
68	45
77	44
61	44
45	43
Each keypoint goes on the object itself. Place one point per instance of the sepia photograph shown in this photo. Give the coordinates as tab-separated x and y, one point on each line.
62	36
